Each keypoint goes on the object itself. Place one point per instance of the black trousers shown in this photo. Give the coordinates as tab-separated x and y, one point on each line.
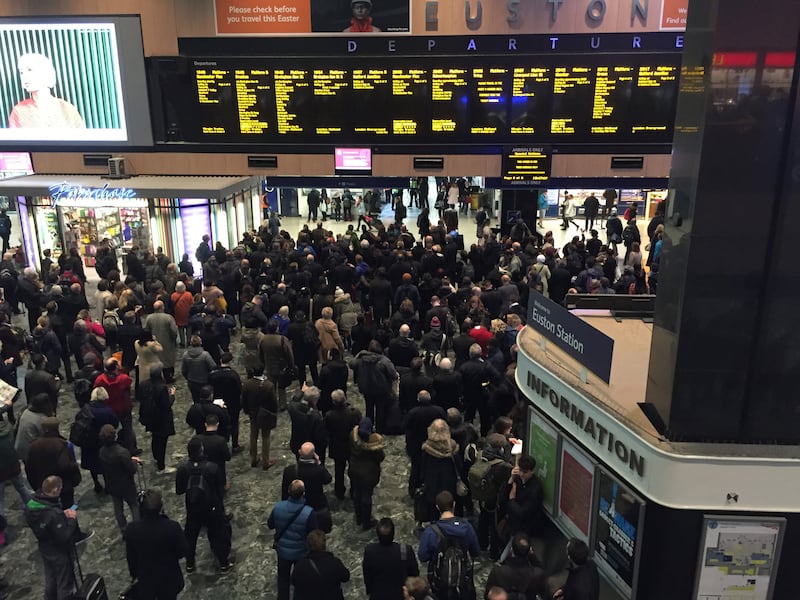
217	530
339	468
362	501
158	444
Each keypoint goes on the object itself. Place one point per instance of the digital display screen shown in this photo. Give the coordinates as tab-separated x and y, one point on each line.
617	530
432	99
62	81
353	160
525	165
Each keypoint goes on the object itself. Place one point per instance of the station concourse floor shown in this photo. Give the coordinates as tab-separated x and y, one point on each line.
251	498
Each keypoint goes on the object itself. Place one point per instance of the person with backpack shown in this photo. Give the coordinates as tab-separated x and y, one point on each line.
292	519
630	235
449	545
155	413
119	468
204	486
487	477
521	575
305	346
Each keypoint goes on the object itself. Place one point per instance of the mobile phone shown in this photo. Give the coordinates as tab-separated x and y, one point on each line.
74	507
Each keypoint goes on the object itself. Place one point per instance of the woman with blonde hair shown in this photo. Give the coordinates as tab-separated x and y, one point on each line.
440	470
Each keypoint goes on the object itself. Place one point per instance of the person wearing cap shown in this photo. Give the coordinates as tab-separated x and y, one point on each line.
366	455
361	21
51	454
539	276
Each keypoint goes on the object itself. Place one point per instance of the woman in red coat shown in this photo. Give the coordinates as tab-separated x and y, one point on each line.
182	301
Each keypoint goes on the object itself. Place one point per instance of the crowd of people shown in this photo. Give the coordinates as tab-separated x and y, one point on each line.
424	330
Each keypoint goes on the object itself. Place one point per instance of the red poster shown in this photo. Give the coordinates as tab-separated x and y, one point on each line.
575	498
673	14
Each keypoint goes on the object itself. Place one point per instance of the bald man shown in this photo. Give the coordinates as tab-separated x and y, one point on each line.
314	476
403	348
165	331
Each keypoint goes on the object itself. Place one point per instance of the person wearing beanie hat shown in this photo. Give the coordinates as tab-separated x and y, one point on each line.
49	455
435	322
361	21
366	455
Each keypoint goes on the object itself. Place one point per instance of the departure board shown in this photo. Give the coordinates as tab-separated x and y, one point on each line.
525	99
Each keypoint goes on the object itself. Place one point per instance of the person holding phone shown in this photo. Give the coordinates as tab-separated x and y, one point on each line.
43	109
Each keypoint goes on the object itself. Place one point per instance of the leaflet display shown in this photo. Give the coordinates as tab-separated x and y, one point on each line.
525	99
575	491
617	531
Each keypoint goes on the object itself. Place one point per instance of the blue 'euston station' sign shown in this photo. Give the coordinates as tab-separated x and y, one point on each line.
590	347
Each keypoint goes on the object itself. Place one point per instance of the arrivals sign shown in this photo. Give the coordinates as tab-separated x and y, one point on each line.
590	347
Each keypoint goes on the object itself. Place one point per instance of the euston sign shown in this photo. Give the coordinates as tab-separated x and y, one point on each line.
590	347
62	194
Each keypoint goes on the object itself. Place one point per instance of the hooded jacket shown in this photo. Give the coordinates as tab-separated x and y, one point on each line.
374	373
118	386
54	532
196	365
366	458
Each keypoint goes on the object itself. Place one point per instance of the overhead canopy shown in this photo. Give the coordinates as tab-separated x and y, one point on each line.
144	186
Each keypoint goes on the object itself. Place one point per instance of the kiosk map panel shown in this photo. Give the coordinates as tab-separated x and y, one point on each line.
535	99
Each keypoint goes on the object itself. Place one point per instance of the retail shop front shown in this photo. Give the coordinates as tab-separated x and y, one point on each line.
663	520
58	212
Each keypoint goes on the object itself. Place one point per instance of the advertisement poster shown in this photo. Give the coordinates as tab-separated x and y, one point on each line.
673	14
575	494
739	557
275	17
543	446
617	532
60	82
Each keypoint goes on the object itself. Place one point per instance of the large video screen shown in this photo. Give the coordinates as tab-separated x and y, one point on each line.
77	80
514	99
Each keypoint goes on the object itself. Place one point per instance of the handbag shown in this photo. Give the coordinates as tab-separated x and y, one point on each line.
461	487
288	373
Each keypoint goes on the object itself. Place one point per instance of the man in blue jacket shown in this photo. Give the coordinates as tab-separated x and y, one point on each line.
292	519
449	537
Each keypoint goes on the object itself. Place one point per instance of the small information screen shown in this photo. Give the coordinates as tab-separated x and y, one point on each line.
524	165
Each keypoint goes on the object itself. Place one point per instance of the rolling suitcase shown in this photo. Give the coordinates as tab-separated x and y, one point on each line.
92	587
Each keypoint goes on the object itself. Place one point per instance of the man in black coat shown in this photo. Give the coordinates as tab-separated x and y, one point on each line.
448	386
332	376
461	344
204	486
307	423
520	574
227	386
339	423
154	546
215	447
197	413
411	383
40	381
477	375
416	428
314	475
320	575
403	349
387	564
583	581
521	499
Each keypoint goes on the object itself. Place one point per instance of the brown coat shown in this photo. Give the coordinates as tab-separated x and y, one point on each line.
276	353
328	338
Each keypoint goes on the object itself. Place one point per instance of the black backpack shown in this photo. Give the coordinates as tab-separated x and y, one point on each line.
628	234
81	429
450	571
197	493
311	336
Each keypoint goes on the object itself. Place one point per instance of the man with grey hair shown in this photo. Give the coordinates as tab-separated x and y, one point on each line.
477	376
339	423
307	423
30	293
165	332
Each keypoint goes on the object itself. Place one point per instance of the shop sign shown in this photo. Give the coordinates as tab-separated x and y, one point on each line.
590	347
69	194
